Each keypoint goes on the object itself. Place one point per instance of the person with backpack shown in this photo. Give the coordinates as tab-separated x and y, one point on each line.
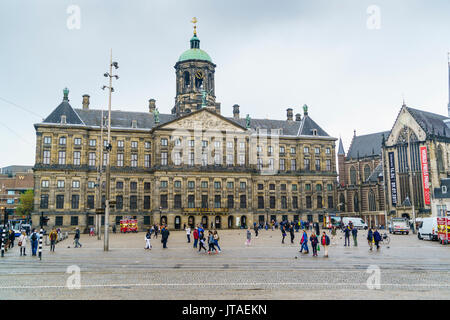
304	242
314	241
22	243
76	238
148	237
34	237
370	238
325	241
377	238
53	236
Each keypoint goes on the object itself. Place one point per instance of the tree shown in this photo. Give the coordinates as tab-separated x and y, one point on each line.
25	206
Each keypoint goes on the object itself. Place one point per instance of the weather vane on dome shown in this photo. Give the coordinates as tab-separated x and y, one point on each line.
194	21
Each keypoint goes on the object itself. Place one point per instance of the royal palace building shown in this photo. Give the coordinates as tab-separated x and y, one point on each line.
192	165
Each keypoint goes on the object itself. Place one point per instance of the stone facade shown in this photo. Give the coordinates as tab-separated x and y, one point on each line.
187	167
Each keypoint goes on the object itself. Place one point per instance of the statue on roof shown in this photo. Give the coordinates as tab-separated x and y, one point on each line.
305	109
247	121
156	115
205	95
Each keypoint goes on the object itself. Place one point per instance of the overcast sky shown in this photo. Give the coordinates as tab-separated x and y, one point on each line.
270	55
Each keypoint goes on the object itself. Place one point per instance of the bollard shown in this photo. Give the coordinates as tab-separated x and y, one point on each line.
3	242
41	235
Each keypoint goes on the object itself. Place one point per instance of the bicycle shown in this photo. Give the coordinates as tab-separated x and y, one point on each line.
385	239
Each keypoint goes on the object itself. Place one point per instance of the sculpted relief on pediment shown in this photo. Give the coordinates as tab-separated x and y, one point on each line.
203	121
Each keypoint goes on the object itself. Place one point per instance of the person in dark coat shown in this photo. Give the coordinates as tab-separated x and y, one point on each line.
370	238
314	242
355	236
164	236
317	228
283	233
347	232
12	237
377	238
291	231
255	227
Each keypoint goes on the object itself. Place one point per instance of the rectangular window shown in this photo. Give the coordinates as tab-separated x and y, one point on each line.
269	150
283	202
120	159
230	158
119	202
133	185
217	158
133	202
242	159
329	187
92	142
59	221
47	140
105	159
327	151
191	184
319	202
164	158
46	157
75	201
282	167
242	145
134	144
75	184
120	144
191	158
272	202
243	185
216	184
260	186
163	184
328	165
294	187
204	201
45	184
191	143
204	159
243	201
74	220
317	165
177	201
230	202
147	145
259	164
76	158
60	183
164	142
272	186
294	202
44	201
191	201
260	202
330	202
90	202
119	185
177	158
308	202
204	184
229	144
177	184
217	201
271	164
283	187
293	165
77	141
230	185
60	201
147	186
146	220
147	161
306	164
317	150
204	143
308	187
62	141
306	150
318	187
177	142
282	150
293	150
134	160
61	157
91	159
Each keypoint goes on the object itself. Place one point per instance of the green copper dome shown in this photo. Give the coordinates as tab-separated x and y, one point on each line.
195	53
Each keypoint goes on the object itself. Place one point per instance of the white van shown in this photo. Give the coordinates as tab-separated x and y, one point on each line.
428	229
358	223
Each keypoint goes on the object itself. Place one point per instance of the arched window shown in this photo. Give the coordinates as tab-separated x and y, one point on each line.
372	203
440	159
352	175
342	202
366	172
187	79
355	203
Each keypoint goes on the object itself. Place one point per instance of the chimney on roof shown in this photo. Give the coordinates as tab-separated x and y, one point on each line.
298	117
151	105
236	111
86	102
289	114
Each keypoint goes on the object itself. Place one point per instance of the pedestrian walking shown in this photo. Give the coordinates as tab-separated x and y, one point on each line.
211	247
53	236
22	243
34	237
304	242
347	232
156	231
317	227
333	234
370	238
165	236
148	237
291	231
76	238
216	240
188	234
377	238
249	237
195	234
325	241
314	241
202	242
12	237
114	228
355	236
283	233
255	227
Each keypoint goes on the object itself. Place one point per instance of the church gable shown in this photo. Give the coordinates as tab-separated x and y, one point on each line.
202	120
405	118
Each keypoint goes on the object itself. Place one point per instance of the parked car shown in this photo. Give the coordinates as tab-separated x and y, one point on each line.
358	223
428	229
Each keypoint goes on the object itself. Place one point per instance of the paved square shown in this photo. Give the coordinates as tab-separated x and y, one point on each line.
409	269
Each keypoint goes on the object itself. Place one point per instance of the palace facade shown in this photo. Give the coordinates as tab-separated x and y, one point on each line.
192	165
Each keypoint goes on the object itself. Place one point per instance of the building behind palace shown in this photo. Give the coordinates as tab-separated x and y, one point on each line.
189	166
12	185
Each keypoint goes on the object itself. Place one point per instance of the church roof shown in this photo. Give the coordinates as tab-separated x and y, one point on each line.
341	148
431	123
366	145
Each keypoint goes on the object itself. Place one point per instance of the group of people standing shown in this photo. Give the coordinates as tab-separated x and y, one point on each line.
324	241
200	240
155	229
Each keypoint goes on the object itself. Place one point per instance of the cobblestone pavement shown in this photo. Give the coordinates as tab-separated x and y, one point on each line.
409	269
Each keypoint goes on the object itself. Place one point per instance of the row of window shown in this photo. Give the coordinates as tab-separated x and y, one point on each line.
93	142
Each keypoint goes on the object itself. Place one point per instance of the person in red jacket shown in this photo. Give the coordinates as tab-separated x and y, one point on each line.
325	241
195	233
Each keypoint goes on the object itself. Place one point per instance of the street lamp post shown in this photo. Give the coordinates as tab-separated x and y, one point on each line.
3	232
108	150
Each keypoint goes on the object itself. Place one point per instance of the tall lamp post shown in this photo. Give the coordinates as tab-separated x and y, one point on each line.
108	150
